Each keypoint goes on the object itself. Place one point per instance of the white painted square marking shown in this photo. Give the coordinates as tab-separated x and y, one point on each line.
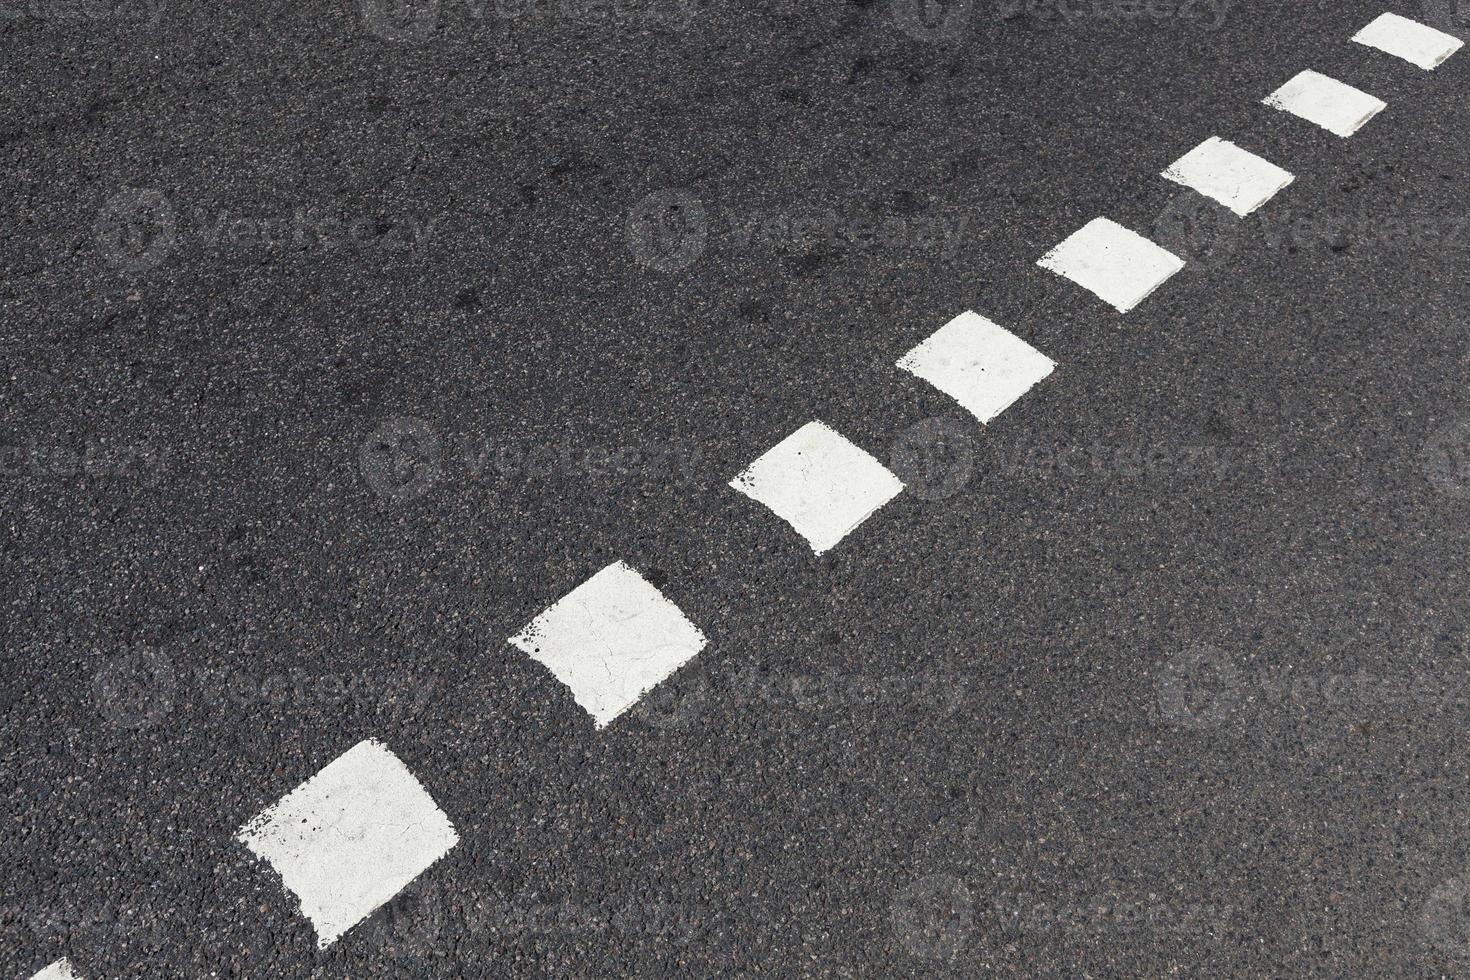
1335	106
351	837
819	483
610	640
1224	172
978	363
60	970
1120	266
1408	39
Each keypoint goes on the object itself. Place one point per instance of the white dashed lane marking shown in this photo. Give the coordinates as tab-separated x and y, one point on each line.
979	364
1335	106
819	483
60	970
1121	267
1224	172
610	640
351	837
1408	39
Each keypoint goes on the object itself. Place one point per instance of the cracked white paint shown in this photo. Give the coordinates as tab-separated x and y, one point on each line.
1335	106
60	970
1119	266
351	837
1224	172
1410	40
610	640
978	363
819	483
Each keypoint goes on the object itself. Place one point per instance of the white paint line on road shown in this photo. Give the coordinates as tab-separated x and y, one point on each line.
1120	266
1410	40
1335	106
1224	172
610	640
978	363
60	970
819	483
351	837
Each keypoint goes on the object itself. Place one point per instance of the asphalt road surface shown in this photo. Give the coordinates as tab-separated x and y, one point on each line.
341	342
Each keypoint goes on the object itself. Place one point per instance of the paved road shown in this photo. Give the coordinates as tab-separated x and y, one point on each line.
343	341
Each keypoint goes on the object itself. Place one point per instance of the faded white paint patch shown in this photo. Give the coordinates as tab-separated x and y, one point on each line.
1408	39
351	837
1335	106
60	970
610	640
1120	266
978	363
1224	172
819	483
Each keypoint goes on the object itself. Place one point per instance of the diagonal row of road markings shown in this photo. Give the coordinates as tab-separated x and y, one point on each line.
824	486
351	837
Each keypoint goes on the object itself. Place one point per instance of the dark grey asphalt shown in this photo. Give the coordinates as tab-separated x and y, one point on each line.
1156	675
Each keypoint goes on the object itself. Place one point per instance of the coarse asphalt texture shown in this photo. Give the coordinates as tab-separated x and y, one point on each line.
341	340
